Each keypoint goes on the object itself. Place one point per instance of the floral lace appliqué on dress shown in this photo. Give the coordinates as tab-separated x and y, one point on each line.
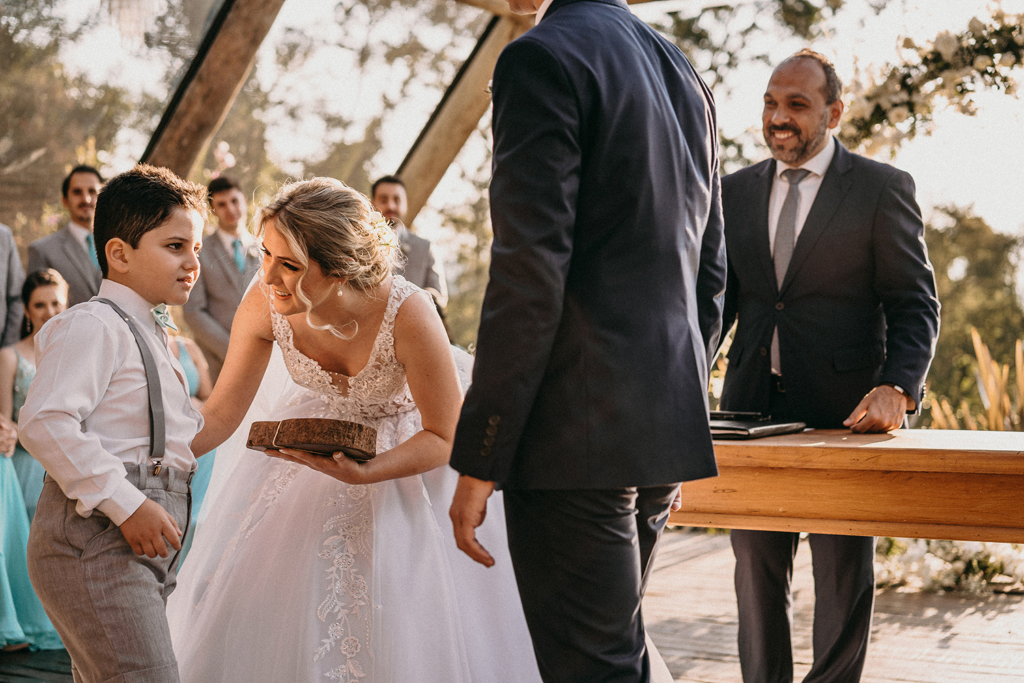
379	391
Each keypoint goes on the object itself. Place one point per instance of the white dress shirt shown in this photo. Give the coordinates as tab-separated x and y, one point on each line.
228	240
541	11
86	414
80	234
807	190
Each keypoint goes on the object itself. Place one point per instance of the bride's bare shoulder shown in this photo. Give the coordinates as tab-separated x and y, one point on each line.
253	317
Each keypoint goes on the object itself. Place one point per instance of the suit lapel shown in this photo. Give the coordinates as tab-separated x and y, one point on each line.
762	244
225	261
834	187
76	254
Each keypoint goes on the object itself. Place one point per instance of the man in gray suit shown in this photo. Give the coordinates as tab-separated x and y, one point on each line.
229	260
71	250
422	268
11	280
830	281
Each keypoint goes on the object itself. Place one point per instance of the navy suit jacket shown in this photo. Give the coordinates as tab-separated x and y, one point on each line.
608	266
857	306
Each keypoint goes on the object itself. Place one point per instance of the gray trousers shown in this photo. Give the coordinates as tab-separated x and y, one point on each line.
106	602
844	594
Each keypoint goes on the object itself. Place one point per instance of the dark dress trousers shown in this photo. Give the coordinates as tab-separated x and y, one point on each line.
857	307
604	303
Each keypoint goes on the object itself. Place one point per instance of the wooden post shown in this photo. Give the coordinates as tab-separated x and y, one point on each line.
458	114
207	91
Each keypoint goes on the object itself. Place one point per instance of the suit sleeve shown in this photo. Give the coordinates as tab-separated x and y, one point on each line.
435	277
533	196
209	333
15	281
711	278
905	284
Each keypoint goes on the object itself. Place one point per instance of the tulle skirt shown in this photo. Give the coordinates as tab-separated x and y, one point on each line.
295	576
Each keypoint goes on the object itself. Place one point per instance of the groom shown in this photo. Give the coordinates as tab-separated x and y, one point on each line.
589	396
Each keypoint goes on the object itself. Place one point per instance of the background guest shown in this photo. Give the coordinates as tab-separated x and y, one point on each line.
44	294
422	267
830	280
229	260
11	279
23	623
71	251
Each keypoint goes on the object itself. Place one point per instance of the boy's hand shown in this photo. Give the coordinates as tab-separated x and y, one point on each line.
147	528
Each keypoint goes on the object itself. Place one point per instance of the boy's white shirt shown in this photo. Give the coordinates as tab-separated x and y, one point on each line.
87	413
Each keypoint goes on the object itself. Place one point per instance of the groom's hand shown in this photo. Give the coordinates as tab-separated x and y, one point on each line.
469	508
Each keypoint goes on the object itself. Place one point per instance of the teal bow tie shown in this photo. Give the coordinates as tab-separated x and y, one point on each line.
163	317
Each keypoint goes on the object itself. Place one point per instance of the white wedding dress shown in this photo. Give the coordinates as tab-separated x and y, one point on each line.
296	577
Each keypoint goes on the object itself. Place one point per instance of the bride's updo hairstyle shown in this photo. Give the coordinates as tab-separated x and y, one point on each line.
326	221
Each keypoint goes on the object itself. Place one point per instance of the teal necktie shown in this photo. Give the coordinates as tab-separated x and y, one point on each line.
239	255
90	245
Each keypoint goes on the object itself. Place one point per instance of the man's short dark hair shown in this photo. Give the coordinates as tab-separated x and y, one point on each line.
140	200
81	168
833	84
388	179
222	183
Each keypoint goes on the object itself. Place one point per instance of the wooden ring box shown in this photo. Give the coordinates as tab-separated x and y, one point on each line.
318	436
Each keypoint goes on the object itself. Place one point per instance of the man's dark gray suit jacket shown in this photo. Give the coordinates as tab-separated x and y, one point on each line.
607	267
64	253
857	306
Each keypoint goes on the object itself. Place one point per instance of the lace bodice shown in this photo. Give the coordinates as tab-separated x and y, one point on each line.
379	390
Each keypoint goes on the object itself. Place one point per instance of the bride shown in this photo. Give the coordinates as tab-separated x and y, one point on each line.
309	568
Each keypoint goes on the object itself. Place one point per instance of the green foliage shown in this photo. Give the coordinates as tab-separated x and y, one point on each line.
975	272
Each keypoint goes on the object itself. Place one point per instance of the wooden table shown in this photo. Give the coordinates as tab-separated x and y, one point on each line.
919	483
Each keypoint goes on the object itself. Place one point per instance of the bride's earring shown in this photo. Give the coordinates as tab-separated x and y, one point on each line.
341	292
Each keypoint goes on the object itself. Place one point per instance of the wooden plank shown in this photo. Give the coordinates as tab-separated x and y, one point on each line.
457	116
921	450
913	483
209	88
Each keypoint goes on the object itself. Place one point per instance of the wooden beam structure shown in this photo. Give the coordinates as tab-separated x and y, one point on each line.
918	483
458	114
209	87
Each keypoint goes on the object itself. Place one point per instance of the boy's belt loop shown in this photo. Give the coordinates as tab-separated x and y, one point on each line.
157	421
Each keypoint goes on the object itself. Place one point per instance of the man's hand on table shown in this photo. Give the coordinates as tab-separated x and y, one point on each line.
882	410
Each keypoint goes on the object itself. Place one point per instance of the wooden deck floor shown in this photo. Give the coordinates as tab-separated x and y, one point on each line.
690	612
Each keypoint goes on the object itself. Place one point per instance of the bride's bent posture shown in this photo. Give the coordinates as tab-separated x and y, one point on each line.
309	568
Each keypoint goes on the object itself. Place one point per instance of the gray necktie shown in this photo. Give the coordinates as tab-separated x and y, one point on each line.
785	239
785	231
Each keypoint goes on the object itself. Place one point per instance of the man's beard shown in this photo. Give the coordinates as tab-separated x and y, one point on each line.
801	152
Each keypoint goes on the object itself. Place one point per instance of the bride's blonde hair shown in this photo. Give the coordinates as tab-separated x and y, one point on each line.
326	221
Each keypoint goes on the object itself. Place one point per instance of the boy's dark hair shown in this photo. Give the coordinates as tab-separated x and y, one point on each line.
81	168
833	84
221	183
140	200
393	179
33	281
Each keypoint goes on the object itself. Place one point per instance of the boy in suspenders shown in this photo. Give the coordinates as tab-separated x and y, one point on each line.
109	417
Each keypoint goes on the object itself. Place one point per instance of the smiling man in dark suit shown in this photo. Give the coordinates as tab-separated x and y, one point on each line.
589	397
830	280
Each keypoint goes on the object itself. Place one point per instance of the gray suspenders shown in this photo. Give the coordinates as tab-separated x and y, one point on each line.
157	422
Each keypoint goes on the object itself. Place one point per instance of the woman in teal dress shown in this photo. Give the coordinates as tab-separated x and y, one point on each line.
23	623
197	373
